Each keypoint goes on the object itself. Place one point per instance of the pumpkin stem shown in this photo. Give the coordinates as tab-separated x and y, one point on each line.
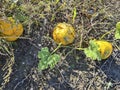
59	45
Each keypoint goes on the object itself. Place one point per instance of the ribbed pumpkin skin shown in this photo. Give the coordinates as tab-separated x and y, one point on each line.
10	30
105	48
63	33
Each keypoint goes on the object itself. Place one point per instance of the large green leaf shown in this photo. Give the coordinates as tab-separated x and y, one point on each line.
93	51
47	59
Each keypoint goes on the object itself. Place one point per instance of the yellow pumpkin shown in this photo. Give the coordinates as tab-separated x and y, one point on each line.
10	30
63	33
105	48
5	27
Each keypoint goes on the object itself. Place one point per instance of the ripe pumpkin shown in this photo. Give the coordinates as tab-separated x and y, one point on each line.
105	48
10	30
63	33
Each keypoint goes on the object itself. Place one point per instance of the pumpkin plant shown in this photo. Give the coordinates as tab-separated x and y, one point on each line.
98	49
9	29
63	33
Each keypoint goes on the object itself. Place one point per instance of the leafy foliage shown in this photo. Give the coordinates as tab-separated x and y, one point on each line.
93	51
117	33
47	59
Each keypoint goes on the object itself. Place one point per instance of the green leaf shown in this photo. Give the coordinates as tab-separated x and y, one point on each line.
42	66
44	53
118	25
47	59
117	32
93	51
53	59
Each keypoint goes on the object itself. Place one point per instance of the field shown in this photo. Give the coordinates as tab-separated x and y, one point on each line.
91	19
